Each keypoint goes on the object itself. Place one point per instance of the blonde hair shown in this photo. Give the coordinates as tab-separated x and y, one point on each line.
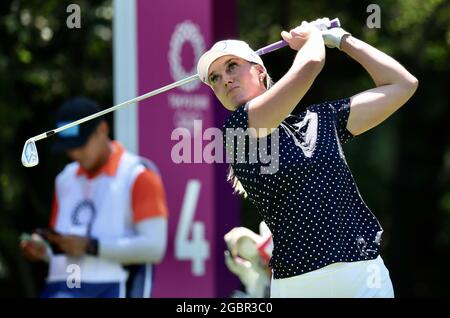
235	183
268	83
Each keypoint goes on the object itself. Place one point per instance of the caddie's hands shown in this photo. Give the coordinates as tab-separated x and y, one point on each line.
297	37
72	245
34	248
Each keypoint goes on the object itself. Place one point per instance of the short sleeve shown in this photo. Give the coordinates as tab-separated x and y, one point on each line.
341	109
148	197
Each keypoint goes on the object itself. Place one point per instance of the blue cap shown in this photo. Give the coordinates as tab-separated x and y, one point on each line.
76	136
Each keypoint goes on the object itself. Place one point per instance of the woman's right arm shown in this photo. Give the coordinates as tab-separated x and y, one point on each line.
269	109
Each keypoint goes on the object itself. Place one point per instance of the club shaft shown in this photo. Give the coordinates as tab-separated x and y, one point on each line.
118	106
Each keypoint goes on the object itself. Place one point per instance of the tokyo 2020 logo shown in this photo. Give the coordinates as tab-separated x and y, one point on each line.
186	31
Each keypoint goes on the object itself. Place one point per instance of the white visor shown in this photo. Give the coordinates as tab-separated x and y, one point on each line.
222	48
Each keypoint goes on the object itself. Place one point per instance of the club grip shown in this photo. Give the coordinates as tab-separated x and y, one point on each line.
335	23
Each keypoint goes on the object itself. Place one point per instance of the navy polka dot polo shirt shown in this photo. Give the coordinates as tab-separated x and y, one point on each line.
310	201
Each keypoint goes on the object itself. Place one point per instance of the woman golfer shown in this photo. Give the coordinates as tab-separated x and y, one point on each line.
326	240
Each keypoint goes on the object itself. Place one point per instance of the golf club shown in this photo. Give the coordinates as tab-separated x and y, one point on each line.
30	157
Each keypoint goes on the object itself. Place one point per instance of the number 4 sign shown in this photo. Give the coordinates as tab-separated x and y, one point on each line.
201	204
197	248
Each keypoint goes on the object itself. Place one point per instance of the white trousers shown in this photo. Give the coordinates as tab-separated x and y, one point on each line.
364	279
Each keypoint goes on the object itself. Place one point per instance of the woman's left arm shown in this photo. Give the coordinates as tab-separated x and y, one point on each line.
394	86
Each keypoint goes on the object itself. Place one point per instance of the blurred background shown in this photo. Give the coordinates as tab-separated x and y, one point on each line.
402	167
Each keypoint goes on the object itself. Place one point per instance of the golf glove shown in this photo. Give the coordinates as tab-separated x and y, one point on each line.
331	37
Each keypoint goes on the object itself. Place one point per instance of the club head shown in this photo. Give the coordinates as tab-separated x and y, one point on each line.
30	156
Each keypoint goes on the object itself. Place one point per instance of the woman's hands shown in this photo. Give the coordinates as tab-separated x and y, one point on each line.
298	36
